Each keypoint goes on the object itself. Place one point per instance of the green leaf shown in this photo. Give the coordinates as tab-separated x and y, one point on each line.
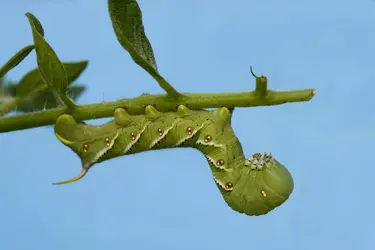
76	91
38	100
8	106
15	60
45	99
7	100
50	67
37	25
33	81
7	88
74	69
126	17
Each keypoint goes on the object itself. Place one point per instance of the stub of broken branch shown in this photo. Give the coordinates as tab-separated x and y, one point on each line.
260	84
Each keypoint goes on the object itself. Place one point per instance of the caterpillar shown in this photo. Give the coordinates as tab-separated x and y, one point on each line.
254	185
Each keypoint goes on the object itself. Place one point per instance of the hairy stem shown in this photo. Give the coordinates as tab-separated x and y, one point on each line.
163	103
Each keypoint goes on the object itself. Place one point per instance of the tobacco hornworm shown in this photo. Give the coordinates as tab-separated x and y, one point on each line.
253	186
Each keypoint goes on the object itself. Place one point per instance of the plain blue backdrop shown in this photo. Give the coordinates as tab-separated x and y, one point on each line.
167	199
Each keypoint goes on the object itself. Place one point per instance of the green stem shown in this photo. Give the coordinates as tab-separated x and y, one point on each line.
137	106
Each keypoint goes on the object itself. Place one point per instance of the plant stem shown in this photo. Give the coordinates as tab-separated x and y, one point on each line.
163	103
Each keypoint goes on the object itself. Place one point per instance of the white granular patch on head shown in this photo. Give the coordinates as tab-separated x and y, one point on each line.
258	162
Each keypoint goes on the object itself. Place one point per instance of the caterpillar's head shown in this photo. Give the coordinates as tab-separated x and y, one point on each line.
90	143
257	185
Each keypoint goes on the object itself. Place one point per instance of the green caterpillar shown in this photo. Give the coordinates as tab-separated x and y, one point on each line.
252	186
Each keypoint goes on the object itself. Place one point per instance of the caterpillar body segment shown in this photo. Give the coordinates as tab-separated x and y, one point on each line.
253	186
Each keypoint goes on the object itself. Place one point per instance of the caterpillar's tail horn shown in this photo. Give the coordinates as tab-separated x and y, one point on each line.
78	177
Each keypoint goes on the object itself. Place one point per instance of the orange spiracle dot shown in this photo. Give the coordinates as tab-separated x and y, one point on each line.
220	163
107	141
208	138
160	131
189	130
228	185
133	135
85	148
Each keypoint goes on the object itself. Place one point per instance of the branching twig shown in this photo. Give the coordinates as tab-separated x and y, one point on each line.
137	105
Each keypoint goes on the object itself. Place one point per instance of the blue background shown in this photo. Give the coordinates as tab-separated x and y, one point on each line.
167	199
